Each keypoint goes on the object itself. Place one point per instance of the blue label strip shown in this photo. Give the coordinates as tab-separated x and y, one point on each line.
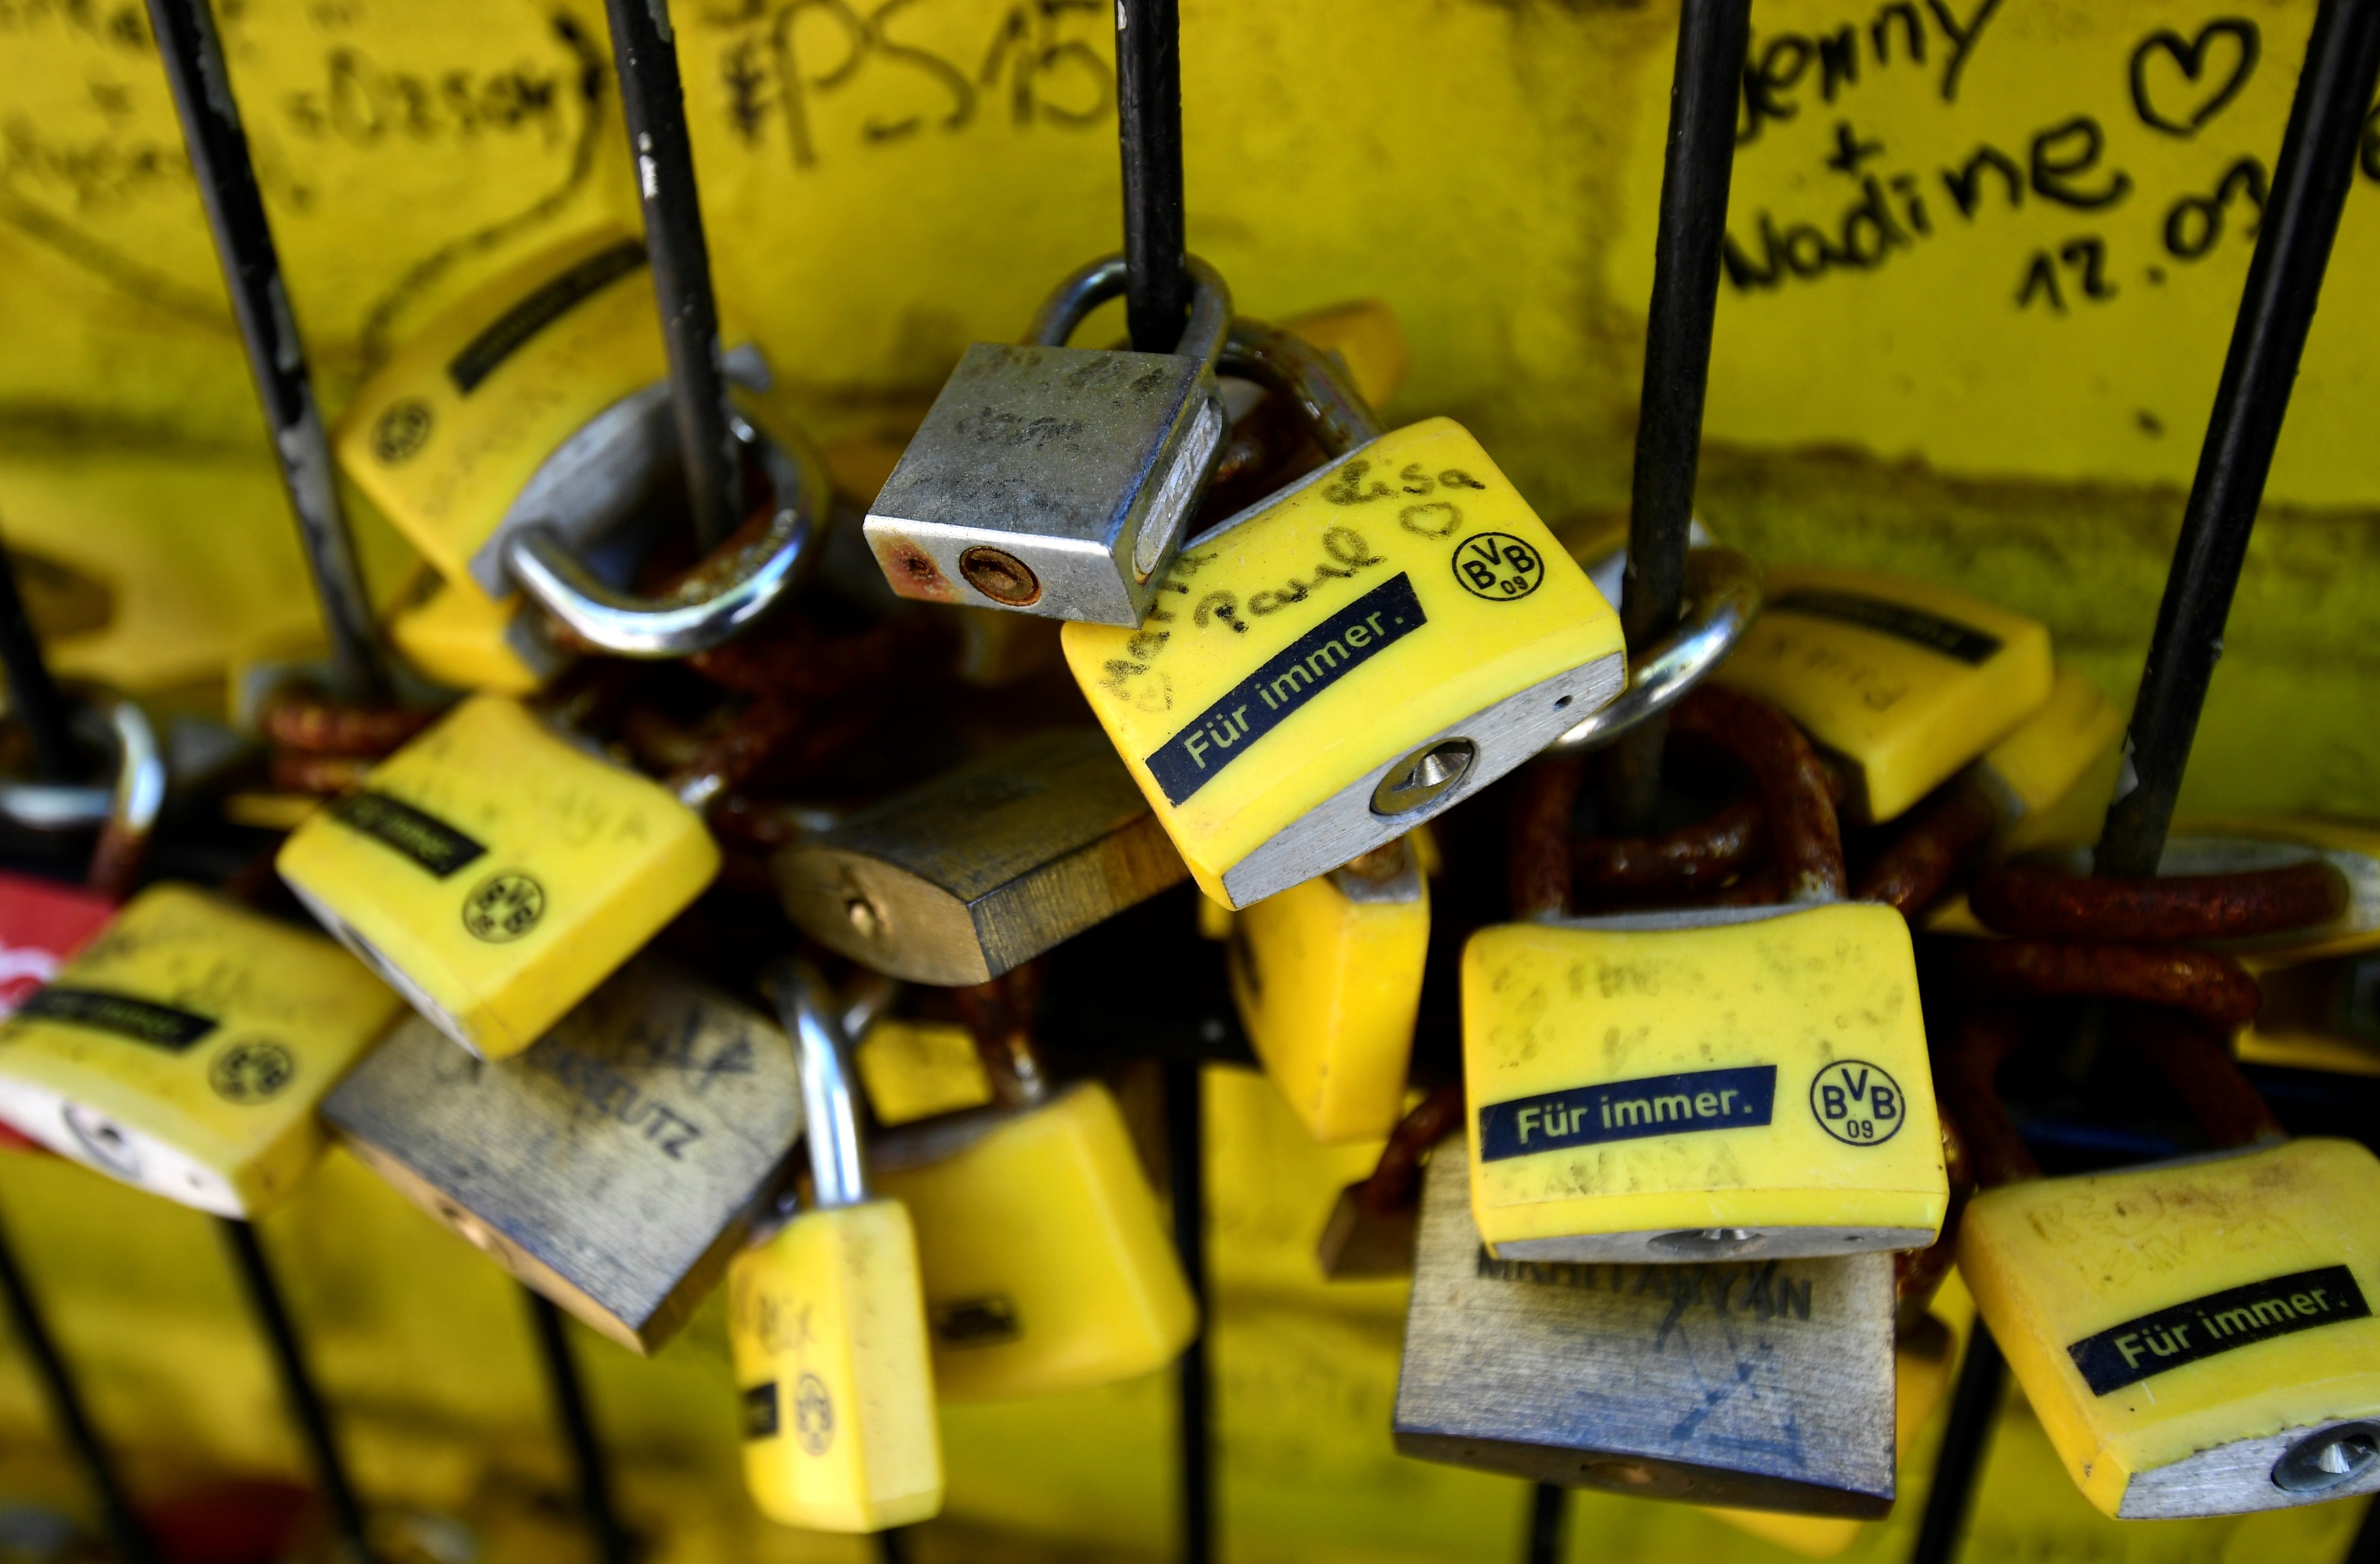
1628	1110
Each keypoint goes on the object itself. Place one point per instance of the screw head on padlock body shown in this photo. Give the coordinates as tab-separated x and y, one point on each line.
1053	479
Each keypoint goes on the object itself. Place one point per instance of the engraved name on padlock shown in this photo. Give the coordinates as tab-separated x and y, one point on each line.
1053	479
614	1166
186	1048
1763	1382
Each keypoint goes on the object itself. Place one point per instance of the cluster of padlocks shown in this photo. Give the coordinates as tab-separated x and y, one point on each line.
691	853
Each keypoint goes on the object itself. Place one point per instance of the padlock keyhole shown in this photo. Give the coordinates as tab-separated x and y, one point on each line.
1424	776
1001	576
1710	1243
2328	1459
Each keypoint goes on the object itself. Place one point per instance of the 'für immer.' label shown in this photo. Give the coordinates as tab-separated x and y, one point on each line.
2238	1316
1628	1110
144	1020
420	837
1289	678
1964	642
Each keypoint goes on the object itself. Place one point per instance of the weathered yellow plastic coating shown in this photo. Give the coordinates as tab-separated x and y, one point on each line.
2054	1262
1905	712
225	1121
1047	1265
1367	339
579	863
443	464
1284	567
452	631
1214	918
2076	735
915	1070
1551	1009
1328	987
827	1329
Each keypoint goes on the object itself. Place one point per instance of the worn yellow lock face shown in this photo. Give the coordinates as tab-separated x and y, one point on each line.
1906	681
186	1047
1047	1263
2055	774
2186	1333
1327	976
826	1325
450	431
1757	1087
1335	665
915	1070
496	873
461	637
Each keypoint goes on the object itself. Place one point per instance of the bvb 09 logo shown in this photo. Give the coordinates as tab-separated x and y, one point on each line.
1497	567
503	908
253	1071
1857	1103
402	430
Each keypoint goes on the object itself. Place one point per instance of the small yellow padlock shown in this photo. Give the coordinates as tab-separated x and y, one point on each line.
1327	976
2318	1015
494	872
459	636
1905	681
826	1323
185	1049
1047	1263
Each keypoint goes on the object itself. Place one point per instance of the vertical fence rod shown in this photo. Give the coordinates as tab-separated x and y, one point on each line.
1549	1522
652	104
613	1542
126	1536
33	695
1148	110
1185	1141
305	1398
193	56
1974	1408
1695	172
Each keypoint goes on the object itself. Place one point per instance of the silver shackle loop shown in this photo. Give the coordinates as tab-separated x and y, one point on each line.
808	1009
726	593
1723	596
128	802
1307	378
1094	285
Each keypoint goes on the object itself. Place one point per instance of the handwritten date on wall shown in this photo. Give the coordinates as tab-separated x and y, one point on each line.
2175	88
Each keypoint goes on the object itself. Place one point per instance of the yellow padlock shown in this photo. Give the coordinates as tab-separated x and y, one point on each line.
2317	1015
827	1325
1047	1266
917	1069
1340	661
1327	976
1367	339
1907	681
185	1049
460	637
2053	776
494	872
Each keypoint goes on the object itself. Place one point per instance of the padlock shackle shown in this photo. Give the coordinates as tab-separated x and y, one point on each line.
1309	380
999	1014
807	1010
1723	596
2036	902
124	810
2191	1059
1092	284
1966	1091
745	577
1805	841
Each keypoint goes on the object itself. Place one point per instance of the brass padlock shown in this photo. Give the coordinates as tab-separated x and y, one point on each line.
614	1166
185	1050
1907	681
826	1320
1327	977
966	876
1047	1265
493	872
1053	479
1765	1383
1335	665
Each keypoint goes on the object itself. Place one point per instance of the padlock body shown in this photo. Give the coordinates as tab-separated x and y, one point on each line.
185	1049
2058	770
494	874
612	1166
461	437
1366	338
913	1069
1907	681
2188	1333
1344	660
1761	1383
1327	976
1048	1266
1638	1092
826	1325
462	637
1080	466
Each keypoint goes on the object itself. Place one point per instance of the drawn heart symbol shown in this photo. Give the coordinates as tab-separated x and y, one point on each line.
2191	57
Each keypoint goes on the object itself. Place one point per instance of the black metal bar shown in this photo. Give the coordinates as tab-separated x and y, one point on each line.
2293	241
32	694
1549	1522
893	1545
1149	114
1695	174
1185	1141
125	1534
652	104
1974	1408
613	1542
306	1404
2365	1548
218	148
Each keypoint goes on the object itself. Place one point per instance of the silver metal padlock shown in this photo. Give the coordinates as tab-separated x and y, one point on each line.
1763	1385
615	1167
1053	479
